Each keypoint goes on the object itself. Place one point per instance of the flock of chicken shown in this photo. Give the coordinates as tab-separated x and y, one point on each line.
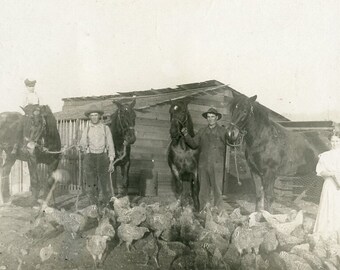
206	240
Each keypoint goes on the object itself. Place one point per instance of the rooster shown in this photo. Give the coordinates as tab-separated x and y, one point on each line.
128	233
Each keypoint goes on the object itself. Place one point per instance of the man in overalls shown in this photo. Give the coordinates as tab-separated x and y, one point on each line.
97	143
211	142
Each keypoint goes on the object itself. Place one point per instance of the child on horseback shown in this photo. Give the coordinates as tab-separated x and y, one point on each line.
31	98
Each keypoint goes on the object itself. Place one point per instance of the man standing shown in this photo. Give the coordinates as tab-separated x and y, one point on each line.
97	143
211	142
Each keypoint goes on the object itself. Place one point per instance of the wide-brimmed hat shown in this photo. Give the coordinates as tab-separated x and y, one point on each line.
30	83
93	109
214	111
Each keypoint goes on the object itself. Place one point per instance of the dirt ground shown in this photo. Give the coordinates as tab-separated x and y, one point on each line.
21	241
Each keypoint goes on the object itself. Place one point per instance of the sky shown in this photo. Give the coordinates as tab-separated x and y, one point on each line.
285	52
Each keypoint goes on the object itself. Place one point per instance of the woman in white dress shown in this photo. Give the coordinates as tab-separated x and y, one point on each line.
328	218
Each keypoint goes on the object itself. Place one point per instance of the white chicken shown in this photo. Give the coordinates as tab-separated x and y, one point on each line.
105	228
134	216
213	226
128	233
120	205
90	211
286	227
96	245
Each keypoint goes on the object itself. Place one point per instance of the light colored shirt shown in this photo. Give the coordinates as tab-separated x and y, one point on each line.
30	98
93	140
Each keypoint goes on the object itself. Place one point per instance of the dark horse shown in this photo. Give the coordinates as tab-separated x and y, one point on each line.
37	140
270	149
181	158
122	127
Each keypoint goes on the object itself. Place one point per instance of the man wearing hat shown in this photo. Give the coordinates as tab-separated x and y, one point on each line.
211	142
97	143
31	96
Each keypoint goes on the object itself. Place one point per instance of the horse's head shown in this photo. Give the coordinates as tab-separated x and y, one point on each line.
179	117
34	124
126	117
241	109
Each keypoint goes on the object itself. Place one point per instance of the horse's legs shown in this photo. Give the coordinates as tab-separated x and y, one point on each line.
125	177
50	180
268	184
195	190
259	192
33	170
178	181
6	170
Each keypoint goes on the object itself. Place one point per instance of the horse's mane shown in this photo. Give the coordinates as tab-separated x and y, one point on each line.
52	136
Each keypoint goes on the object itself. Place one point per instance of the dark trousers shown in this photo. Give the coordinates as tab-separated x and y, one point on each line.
211	179
96	171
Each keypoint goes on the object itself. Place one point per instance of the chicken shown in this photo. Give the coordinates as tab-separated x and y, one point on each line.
54	215
150	248
134	216
73	222
120	205
314	261
294	262
286	227
189	227
159	222
106	212
236	216
105	228
90	211
96	245
127	233
278	218
213	226
246	239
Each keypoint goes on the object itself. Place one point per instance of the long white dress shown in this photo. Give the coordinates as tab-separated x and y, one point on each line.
328	218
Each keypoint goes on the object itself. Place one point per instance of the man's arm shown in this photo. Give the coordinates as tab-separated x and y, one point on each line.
193	142
109	143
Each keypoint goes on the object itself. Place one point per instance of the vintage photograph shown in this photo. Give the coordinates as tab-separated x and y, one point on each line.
198	134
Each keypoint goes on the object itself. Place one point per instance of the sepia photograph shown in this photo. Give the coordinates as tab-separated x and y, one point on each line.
157	134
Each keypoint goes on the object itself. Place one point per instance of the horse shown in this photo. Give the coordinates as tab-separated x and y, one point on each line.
183	160
270	149
122	127
35	137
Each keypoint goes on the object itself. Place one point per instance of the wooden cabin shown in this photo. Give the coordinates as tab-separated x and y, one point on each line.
149	153
149	172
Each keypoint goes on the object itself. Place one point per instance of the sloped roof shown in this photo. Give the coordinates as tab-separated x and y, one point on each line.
145	99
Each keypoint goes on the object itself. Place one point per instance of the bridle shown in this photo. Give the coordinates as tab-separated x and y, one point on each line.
182	123
241	129
120	122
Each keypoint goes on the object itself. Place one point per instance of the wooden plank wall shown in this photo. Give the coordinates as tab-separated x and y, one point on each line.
149	153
